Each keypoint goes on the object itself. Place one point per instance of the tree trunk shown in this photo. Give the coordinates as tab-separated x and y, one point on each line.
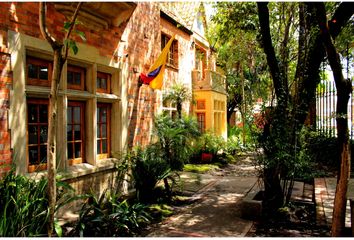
179	109
58	61
243	106
344	90
277	127
52	127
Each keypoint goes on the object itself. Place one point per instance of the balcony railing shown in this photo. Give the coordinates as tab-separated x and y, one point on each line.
212	80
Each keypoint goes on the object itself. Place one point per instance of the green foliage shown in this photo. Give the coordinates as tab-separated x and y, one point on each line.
24	205
178	94
199	168
174	139
110	216
148	169
69	43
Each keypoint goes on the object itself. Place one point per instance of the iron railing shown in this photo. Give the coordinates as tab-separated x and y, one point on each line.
326	101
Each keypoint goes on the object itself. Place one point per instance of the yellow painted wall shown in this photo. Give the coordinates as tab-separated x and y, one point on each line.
210	122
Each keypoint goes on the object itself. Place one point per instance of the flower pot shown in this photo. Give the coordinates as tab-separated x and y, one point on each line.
207	157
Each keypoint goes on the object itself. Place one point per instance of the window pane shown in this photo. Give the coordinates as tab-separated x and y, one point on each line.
70	151
70	77
99	135
33	155
104	130
32	71
43	153
32	135
32	113
77	132
77	78
43	73
98	82
104	146
44	134
98	146
77	150
77	116
103	83
69	133
69	114
103	115
98	114
43	113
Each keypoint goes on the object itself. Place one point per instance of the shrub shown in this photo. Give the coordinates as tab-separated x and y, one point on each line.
148	168
24	205
109	216
175	139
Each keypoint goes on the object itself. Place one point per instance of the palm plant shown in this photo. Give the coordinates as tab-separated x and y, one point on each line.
148	168
178	94
174	140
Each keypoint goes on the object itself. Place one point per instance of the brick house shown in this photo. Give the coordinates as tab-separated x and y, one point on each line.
101	109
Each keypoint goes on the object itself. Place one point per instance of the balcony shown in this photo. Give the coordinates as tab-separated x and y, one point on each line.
211	80
99	14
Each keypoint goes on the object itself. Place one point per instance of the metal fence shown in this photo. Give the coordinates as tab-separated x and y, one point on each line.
326	101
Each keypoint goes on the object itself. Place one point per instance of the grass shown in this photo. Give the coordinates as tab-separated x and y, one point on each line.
199	168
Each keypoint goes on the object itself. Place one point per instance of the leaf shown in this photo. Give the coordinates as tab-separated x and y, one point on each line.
58	229
81	34
67	25
73	46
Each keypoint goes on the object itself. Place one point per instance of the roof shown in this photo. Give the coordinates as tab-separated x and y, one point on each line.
182	12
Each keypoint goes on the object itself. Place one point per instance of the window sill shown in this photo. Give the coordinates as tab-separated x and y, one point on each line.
79	170
108	97
172	67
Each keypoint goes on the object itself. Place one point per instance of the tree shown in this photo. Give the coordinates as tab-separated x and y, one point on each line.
60	54
344	89
292	106
235	39
177	95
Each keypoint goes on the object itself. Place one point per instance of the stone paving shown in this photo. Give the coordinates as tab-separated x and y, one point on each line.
325	189
217	213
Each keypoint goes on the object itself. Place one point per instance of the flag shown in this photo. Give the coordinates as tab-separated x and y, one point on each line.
155	74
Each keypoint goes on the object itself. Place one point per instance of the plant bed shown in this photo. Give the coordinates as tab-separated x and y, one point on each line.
252	205
296	220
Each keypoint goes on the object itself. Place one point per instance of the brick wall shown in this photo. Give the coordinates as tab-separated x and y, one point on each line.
139	37
5	86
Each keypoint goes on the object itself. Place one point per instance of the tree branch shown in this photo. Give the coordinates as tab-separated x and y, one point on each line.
72	25
340	18
263	15
43	25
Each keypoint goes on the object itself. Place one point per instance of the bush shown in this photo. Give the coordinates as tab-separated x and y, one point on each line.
110	216
24	206
148	168
175	139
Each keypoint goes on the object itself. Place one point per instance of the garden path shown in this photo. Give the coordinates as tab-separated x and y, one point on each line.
217	212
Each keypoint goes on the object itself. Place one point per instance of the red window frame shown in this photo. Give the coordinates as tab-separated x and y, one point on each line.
105	76
38	63
100	129
38	166
72	124
76	70
201	104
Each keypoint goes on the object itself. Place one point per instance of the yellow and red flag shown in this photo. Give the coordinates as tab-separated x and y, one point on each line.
154	77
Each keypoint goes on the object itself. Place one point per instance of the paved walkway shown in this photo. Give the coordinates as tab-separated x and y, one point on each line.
325	189
217	213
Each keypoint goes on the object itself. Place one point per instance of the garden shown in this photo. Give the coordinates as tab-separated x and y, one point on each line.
261	59
154	173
